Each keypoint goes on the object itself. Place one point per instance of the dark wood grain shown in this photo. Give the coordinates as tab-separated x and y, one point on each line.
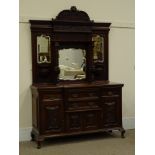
63	108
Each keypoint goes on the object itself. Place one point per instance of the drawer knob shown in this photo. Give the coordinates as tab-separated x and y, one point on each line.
110	93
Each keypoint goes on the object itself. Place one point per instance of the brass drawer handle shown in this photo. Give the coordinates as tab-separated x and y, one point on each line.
91	103
91	94
110	103
110	93
52	108
51	99
74	105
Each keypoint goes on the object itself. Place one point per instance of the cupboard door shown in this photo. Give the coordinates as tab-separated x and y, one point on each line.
92	120
52	118
73	121
111	111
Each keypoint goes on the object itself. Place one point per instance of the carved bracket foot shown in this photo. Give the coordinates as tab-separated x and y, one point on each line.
39	141
122	132
38	144
32	136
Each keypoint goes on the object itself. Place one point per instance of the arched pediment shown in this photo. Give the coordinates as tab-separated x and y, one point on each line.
72	15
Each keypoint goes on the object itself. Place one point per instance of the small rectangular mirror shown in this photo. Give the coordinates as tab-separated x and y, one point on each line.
43	49
72	64
98	50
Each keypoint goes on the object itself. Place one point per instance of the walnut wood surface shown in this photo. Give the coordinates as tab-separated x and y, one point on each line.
63	108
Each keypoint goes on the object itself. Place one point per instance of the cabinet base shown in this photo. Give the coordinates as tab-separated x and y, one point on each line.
40	138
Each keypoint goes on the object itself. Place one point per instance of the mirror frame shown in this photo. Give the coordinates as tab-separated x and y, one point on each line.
72	72
44	57
98	48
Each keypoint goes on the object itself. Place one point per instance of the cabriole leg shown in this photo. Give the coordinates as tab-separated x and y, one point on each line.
122	133
38	144
39	141
32	136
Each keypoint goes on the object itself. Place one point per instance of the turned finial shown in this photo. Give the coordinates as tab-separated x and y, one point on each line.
73	8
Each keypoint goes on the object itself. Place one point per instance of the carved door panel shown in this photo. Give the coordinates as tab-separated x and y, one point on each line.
92	120
74	121
52	118
111	111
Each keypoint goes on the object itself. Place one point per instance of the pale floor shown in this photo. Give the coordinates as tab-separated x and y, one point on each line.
96	144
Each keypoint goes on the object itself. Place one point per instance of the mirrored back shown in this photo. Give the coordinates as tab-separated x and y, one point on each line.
98	50
43	49
72	64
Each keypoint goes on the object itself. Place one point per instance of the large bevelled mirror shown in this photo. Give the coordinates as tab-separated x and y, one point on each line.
72	64
43	49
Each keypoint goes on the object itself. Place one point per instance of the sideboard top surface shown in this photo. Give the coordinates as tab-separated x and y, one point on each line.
76	85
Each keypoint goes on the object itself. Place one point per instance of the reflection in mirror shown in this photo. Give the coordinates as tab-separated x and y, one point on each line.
72	64
98	50
43	49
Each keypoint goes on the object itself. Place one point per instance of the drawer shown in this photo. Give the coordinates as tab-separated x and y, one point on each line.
48	97
51	102
82	94
107	92
82	105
